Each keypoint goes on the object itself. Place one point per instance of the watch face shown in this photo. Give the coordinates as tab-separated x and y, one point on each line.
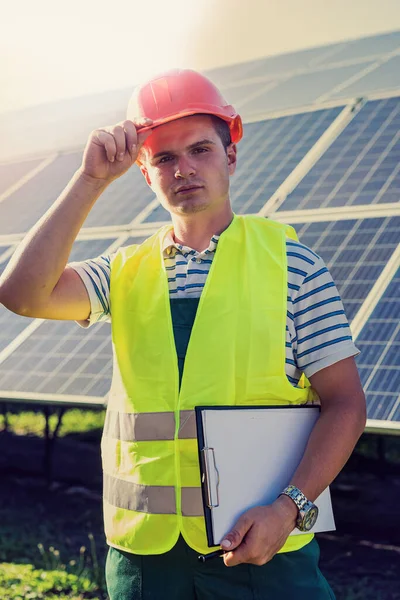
310	518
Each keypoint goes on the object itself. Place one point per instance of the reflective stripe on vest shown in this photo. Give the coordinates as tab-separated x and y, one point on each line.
141	427
152	499
235	356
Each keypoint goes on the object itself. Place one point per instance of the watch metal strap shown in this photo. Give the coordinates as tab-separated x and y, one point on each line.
296	495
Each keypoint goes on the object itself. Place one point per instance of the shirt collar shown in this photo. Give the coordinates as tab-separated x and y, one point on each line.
170	247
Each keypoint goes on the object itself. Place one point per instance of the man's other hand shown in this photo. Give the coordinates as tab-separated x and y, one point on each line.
260	533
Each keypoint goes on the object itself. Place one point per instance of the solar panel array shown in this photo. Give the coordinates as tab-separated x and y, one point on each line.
362	166
321	150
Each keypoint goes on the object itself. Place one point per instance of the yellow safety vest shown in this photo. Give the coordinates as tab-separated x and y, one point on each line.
236	356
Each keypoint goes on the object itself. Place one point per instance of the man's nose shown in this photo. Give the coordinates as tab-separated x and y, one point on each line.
184	168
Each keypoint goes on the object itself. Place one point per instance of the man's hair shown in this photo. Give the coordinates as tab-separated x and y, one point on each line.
222	129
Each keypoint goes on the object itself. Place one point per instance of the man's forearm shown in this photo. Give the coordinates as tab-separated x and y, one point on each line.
39	261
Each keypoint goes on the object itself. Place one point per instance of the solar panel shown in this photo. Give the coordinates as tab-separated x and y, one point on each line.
378	363
272	66
20	211
10	173
369	46
239	94
268	153
300	90
291	62
355	252
362	166
385	77
136	239
227	75
59	357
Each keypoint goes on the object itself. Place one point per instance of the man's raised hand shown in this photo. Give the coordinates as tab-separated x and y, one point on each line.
111	151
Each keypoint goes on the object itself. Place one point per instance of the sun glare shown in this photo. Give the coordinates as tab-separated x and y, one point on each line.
49	51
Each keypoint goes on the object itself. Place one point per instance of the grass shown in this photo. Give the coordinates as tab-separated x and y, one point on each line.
31	422
53	579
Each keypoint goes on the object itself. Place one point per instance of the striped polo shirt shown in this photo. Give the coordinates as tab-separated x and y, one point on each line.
317	331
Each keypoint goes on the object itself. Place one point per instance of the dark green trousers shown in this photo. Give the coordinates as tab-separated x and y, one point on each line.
178	575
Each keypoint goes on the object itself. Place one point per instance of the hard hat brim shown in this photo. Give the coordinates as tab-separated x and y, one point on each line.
234	122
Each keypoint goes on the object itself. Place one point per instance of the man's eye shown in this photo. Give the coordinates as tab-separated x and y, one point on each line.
199	150
164	159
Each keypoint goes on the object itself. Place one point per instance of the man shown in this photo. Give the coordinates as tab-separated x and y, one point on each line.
217	309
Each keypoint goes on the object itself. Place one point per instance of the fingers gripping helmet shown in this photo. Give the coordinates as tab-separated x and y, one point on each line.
180	93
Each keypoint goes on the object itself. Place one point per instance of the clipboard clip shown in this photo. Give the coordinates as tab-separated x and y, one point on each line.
211	478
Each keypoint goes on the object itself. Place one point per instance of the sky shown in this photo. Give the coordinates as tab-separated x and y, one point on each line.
51	50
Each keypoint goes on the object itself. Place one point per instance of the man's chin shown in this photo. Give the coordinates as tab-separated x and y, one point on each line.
189	206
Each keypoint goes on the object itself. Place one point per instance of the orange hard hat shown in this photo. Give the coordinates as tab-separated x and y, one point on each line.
180	93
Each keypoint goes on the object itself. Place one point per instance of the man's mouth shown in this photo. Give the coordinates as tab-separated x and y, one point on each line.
186	189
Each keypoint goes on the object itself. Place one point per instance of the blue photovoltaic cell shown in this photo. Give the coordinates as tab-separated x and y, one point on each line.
299	90
267	154
60	357
355	252
362	166
11	173
12	325
378	363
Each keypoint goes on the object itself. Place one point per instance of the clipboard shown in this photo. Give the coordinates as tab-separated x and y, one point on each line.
247	456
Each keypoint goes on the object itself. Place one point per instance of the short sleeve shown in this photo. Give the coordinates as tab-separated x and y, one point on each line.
95	274
322	332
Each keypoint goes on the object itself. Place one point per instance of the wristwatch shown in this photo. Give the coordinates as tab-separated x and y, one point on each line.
308	512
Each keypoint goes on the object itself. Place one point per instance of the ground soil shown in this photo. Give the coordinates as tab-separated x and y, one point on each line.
361	559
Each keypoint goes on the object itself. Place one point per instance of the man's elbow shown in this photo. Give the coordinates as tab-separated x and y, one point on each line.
14	302
357	406
351	410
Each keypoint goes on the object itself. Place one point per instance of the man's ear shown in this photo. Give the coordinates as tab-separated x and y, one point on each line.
146	175
231	153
